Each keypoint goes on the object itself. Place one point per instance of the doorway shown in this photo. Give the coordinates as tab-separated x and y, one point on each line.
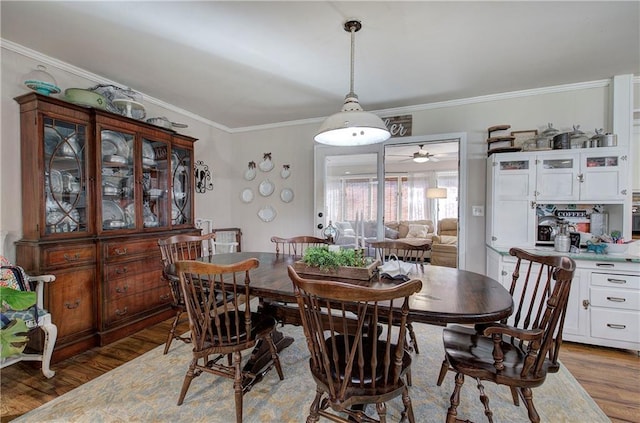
338	169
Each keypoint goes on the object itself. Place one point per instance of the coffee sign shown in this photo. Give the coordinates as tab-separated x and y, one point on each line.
399	126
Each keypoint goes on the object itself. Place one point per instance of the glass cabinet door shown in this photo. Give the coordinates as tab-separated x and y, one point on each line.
118	180
65	182
181	189
155	181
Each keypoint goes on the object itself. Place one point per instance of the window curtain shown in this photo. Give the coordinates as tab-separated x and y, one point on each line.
416	197
333	199
449	205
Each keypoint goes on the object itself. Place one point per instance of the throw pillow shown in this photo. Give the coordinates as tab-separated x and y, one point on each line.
418	231
390	233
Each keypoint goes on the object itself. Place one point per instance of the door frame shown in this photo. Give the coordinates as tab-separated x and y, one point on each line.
322	151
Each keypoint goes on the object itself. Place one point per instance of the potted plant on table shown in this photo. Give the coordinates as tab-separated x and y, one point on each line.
342	263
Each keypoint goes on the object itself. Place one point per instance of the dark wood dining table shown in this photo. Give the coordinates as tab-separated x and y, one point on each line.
448	295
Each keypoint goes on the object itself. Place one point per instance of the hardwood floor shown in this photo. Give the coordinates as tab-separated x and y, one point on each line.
610	376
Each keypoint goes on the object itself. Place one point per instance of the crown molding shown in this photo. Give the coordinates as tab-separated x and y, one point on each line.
32	54
74	70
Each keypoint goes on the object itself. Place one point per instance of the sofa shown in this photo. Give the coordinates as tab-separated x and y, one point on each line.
444	247
414	232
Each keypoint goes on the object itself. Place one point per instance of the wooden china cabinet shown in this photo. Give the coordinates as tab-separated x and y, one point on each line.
98	191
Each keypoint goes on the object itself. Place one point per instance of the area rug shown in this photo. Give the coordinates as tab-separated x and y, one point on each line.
146	390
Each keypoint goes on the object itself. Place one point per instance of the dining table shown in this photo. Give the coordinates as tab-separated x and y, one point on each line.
448	295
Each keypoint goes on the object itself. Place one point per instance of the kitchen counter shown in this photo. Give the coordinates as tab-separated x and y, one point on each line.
631	256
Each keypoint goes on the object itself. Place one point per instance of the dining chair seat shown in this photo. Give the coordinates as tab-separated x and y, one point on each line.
519	351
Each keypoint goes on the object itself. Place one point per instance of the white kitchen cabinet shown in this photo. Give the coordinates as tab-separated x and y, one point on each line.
604	302
517	182
510	199
597	175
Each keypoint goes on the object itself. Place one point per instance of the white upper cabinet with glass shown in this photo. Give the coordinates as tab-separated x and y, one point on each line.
511	186
597	175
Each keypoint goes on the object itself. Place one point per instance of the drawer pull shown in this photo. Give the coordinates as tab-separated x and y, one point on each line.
121	271
615	326
618	281
75	257
616	299
605	265
122	290
120	252
121	312
72	306
165	297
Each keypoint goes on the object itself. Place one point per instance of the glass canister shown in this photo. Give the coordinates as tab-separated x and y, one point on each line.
562	241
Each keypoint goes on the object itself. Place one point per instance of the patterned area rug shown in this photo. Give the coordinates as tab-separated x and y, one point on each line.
146	390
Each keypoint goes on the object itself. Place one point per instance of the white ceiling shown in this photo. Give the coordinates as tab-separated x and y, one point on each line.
243	64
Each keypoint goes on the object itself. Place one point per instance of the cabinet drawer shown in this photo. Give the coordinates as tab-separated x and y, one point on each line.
119	249
615	280
133	268
624	299
134	284
69	255
618	325
127	307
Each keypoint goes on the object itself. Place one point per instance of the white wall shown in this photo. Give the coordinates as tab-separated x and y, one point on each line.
228	154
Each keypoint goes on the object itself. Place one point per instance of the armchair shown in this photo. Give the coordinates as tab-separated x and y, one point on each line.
444	250
35	317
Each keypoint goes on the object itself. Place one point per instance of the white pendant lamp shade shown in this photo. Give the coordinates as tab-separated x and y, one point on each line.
352	126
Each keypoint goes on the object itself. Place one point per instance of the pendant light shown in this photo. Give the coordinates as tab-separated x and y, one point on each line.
352	126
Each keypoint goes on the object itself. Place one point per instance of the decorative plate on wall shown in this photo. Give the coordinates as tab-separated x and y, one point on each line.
266	164
266	188
247	195
267	213
250	173
286	195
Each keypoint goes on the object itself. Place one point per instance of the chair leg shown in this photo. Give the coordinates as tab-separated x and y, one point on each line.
187	380
50	335
484	399
408	407
381	409
314	415
274	356
452	413
172	332
237	385
527	397
443	371
414	340
514	395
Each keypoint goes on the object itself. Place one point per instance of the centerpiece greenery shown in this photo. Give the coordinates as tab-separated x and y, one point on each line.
342	264
325	259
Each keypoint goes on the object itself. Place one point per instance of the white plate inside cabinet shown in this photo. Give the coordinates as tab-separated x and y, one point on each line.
267	213
266	188
286	195
247	195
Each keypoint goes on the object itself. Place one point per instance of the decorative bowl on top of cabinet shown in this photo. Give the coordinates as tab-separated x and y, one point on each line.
98	191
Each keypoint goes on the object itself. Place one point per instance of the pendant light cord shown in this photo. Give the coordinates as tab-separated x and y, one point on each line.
353	47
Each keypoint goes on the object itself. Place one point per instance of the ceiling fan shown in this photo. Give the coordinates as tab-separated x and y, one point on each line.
422	156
